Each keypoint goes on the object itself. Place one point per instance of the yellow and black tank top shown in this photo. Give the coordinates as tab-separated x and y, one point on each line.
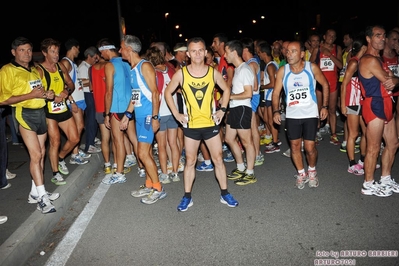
198	93
54	81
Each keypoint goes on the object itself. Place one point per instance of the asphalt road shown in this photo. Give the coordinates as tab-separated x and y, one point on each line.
274	224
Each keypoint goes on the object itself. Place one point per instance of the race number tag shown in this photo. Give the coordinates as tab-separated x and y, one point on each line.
58	107
136	98
35	84
299	97
326	64
394	69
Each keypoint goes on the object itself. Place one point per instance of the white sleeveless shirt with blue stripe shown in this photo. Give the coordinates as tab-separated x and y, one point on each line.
300	91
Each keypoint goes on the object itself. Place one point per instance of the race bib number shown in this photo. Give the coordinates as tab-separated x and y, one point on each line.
58	107
299	97
136	98
326	64
394	69
35	84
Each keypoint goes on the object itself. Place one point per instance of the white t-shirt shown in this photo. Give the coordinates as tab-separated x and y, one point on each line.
243	76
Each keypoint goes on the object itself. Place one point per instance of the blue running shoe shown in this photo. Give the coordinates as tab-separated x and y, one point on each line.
203	167
224	147
113	179
185	203
228	200
229	157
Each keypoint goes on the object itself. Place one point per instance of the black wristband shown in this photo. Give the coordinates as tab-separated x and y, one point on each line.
277	111
104	114
325	106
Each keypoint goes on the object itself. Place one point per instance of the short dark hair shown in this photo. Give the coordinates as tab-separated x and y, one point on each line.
265	47
20	41
71	43
196	40
235	45
369	30
221	36
47	43
358	41
249	44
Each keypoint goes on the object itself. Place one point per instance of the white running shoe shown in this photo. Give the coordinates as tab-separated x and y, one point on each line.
35	199
63	168
376	189
10	175
164	178
141	192
93	149
113	179
154	196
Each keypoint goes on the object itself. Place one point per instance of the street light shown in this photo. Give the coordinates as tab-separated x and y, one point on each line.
167	27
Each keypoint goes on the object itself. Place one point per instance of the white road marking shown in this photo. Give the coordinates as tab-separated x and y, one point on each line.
65	248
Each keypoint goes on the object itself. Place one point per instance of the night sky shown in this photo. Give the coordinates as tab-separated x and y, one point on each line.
89	22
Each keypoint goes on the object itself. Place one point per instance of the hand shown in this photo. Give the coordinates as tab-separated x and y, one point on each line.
107	122
58	99
343	110
325	51
277	118
123	124
63	94
323	113
182	118
218	116
388	84
38	92
155	125
50	95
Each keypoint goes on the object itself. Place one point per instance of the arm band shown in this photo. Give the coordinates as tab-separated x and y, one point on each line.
129	115
277	111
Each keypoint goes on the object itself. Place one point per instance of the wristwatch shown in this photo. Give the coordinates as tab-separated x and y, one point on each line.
155	117
223	109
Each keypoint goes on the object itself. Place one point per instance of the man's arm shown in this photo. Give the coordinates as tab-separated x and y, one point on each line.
70	86
223	85
109	86
271	72
278	86
13	99
150	77
350	70
230	74
169	90
313	55
35	93
66	64
254	66
319	76
337	59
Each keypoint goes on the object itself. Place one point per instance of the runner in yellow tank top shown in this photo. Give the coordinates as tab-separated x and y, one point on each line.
198	96
198	82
